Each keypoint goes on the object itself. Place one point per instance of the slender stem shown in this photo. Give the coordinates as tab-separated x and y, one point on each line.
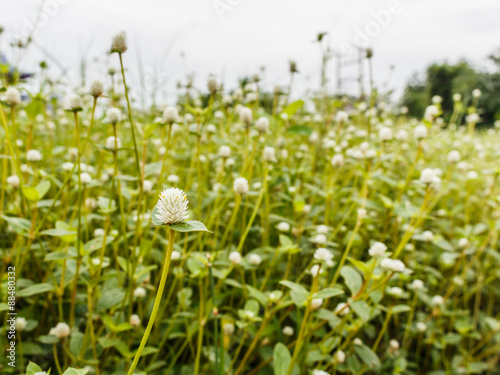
166	265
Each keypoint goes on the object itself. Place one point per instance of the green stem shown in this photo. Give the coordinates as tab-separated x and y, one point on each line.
166	265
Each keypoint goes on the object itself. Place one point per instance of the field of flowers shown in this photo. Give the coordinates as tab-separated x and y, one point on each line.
224	236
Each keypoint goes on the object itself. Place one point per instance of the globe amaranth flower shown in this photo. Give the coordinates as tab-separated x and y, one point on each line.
96	89
172	206
135	320
235	258
61	330
119	43
113	115
246	116
170	115
254	259
73	103
12	96
14	181
240	185
33	155
393	265
377	249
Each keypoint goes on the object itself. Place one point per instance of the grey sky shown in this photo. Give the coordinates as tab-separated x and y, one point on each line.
253	33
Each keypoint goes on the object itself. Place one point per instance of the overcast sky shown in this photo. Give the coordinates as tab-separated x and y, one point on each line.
232	38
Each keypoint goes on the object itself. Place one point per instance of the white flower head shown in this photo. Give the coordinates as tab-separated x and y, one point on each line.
173	179
74	103
420	132
385	134
421	326
61	330
316	270
320	372
428	176
337	160
172	206
139	292
393	265
342	308
454	156
246	116
316	303
428	236
96	89
20	324
340	356
12	96
228	328
224	151
254	259
33	155
113	115
110	143
288	331
283	226
135	320
377	249
240	185
14	181
437	301
85	178
170	115
323	254
235	258
119	43
269	154
417	284
262	124
147	186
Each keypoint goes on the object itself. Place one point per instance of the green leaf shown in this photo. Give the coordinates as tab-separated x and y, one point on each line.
58	232
33	109
399	309
74	371
293	107
58	256
294	286
31	193
189	226
110	298
258	295
281	359
35	289
32	369
352	279
367	356
362	309
42	188
328	293
299	130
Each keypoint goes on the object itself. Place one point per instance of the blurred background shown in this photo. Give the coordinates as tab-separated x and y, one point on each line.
452	43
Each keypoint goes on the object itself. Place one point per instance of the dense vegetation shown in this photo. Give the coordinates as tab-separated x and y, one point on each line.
345	236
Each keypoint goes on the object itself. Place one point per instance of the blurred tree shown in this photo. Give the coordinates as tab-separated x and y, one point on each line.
446	80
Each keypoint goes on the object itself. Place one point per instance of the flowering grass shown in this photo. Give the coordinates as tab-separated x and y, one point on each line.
345	237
